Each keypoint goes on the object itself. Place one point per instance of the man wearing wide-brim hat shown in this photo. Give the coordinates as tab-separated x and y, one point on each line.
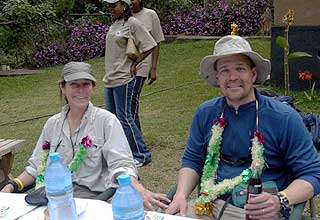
243	132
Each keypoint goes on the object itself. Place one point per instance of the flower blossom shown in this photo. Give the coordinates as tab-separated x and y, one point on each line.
87	142
307	75
46	145
222	122
289	17
260	137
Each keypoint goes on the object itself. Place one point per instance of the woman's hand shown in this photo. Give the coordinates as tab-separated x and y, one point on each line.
7	188
142	56
153	200
133	69
152	75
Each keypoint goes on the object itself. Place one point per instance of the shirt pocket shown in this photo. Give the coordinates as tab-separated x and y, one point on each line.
94	154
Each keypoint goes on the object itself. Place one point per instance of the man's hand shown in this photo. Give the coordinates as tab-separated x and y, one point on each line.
264	206
153	200
178	205
152	75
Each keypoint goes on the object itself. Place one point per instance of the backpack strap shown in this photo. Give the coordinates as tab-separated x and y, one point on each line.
314	130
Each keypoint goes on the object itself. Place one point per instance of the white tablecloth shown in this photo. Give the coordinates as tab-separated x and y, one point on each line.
90	209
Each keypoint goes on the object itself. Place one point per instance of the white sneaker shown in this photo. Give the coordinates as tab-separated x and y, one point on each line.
137	163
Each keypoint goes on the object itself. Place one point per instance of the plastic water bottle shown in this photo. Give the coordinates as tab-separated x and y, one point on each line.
58	185
127	203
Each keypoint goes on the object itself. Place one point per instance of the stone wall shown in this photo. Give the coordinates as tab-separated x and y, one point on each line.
306	11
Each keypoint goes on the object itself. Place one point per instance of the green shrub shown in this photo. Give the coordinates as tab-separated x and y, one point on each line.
93	8
19	38
168	7
64	7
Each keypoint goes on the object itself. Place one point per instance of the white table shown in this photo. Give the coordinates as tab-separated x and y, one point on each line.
94	210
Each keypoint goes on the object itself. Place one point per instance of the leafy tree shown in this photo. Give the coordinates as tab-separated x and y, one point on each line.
18	38
64	6
168	7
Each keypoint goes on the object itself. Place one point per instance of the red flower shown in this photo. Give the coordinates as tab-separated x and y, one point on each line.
307	75
87	142
222	122
259	136
204	193
46	145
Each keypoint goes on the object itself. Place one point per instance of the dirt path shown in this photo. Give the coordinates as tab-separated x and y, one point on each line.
18	72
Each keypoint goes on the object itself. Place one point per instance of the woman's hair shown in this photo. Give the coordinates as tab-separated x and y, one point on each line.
127	12
62	83
141	4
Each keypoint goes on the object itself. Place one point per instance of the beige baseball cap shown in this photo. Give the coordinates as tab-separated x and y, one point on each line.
115	1
231	45
77	70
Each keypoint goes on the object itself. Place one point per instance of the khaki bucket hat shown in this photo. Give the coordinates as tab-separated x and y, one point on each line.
231	45
77	70
115	1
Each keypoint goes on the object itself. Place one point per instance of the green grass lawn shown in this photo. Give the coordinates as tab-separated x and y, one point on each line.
167	106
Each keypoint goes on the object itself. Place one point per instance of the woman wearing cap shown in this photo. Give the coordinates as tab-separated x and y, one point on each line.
148	67
109	154
120	71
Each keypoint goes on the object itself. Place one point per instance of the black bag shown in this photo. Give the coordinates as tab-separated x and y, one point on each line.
37	197
311	120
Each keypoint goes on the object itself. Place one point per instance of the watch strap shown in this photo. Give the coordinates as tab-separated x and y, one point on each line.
283	200
14	184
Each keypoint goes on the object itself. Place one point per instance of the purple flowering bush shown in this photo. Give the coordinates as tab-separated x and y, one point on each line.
215	19
87	41
49	51
84	42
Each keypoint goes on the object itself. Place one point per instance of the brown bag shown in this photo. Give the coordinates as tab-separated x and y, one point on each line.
132	51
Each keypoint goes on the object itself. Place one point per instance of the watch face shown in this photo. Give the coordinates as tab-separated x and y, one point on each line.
284	201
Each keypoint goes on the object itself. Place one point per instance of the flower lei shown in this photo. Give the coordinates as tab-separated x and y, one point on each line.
43	161
209	189
85	144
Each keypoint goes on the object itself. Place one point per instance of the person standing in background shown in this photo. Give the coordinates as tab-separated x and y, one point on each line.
148	67
120	71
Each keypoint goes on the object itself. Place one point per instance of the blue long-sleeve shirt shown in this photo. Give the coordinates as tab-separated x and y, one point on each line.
288	149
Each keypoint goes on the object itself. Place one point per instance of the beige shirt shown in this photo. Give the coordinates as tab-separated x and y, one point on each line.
150	20
117	64
109	156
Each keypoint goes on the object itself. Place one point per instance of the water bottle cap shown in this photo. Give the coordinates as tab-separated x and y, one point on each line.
124	179
54	156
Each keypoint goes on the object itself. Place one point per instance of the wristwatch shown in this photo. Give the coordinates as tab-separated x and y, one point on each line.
283	201
14	184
